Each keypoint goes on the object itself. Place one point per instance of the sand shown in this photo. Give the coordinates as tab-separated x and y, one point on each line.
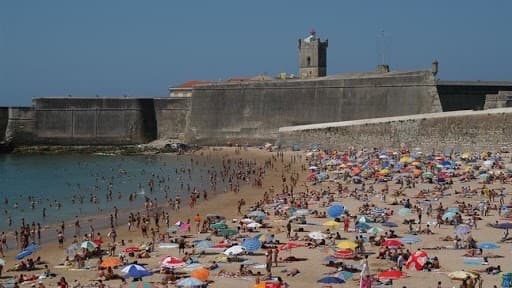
311	269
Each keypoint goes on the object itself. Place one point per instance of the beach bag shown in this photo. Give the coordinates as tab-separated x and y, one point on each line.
506	280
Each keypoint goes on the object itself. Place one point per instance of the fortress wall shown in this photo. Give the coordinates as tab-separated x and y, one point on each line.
253	112
172	117
94	121
20	128
461	130
455	95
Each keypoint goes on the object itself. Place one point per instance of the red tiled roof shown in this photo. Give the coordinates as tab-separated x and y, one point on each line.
192	83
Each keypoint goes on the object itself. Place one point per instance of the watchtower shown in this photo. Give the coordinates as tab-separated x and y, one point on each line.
312	56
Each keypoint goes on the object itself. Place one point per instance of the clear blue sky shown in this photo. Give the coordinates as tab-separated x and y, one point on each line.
139	48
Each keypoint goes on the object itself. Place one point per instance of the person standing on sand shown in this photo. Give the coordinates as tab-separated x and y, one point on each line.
269	261
276	256
197	220
77	226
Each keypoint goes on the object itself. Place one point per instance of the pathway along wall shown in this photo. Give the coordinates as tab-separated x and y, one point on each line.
460	131
252	112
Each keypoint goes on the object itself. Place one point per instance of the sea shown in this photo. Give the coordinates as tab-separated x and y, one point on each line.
68	185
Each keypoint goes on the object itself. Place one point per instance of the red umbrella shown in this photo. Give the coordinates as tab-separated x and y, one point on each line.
344	254
97	241
391	275
289	246
131	249
392	243
417	260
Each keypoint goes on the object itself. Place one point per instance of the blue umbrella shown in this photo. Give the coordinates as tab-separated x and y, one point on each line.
504	225
251	244
389	224
363	225
377	210
331	280
410	240
345	275
257	213
487	245
23	254
462	229
190	282
449	215
203	244
135	271
335	210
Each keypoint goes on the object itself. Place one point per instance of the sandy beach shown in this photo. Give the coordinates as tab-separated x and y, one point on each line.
283	169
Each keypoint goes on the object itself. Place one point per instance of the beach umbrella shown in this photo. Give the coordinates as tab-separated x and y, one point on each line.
251	244
344	254
89	245
462	229
427	175
378	210
189	282
404	212
201	274
317	235
247	220
346	275
234	250
331	223
257	213
254	225
172	262
23	254
97	241
331	280
140	284
462	275
203	244
417	260
389	224
374	230
184	227
487	245
32	247
347	244
111	262
73	249
363	226
392	243
391	275
135	271
289	246
219	225
335	210
448	215
364	219
410	240
227	232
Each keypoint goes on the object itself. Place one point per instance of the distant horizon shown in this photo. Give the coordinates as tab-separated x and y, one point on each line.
53	49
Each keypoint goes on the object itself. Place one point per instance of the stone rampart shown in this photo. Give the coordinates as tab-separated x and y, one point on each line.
253	112
94	121
20	128
4	117
172	116
502	99
460	130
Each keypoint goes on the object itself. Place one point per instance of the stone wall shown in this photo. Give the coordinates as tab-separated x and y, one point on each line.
468	95
172	116
94	121
20	128
461	130
501	100
253	112
4	116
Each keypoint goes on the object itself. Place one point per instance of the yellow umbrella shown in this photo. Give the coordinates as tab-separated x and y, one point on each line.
406	159
384	172
346	244
461	275
331	223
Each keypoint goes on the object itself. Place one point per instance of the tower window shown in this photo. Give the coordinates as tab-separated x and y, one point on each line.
309	61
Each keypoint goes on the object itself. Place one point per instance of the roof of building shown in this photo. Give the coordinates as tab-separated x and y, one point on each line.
192	83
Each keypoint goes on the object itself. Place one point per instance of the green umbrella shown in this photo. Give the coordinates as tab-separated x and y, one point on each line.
428	175
219	225
227	232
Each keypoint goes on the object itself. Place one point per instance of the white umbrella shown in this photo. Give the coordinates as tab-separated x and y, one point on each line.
246	220
234	250
89	245
313	168
317	235
254	225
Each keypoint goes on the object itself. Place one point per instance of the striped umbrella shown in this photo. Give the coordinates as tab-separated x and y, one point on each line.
251	244
172	262
89	245
135	271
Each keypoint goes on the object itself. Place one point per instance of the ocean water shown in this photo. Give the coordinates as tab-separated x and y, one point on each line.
64	186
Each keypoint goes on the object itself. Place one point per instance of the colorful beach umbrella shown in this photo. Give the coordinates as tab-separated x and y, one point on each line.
335	210
201	274
448	215
251	244
462	275
374	230
234	250
317	235
363	225
172	262
190	282
462	229
347	244
89	245
344	254
417	260
135	271
392	243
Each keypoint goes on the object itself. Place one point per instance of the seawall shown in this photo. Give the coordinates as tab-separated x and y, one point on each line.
253	112
459	130
172	116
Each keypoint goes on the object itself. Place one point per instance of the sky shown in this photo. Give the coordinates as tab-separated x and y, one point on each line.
140	48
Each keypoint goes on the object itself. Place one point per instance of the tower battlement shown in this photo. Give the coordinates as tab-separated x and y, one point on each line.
312	56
